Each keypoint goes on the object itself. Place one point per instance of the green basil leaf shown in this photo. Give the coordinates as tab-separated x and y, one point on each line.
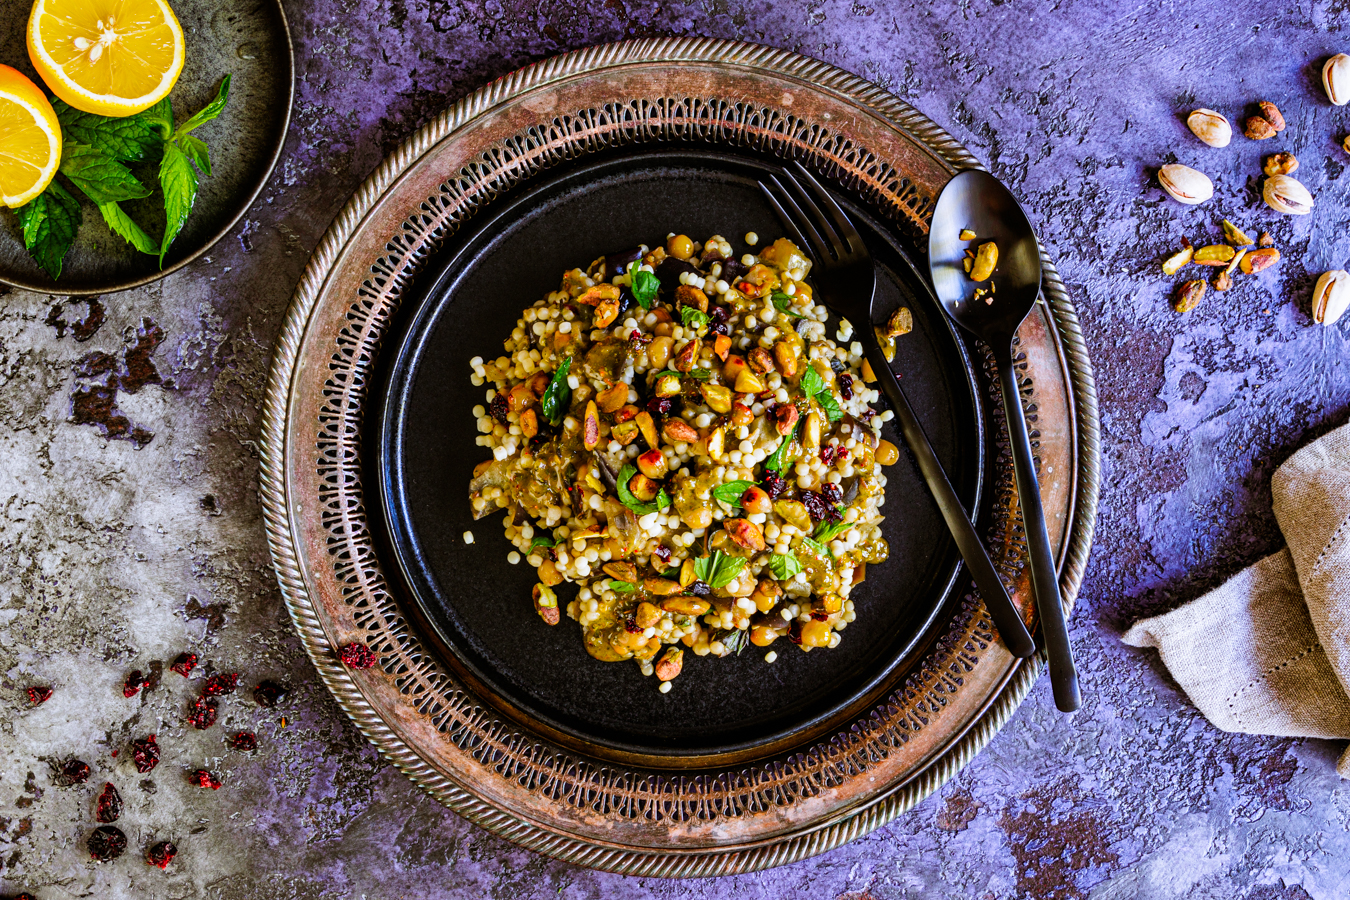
698	373
556	396
178	180
730	493
626	496
833	411
818	549
693	317
545	542
733	639
197	151
672	572
208	112
775	461
160	117
621	587
828	531
129	139
811	382
781	302
644	287
101	178
49	222
784	566
122	225
719	570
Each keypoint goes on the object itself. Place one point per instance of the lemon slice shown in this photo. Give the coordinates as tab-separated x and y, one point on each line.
110	57
30	139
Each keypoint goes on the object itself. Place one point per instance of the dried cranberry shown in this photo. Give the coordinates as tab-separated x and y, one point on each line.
109	805
819	615
244	740
499	408
719	313
774	485
184	663
795	632
842	454
662	554
203	711
203	778
846	385
268	693
719	328
222	683
832	493
630	624
145	753
357	656
815	505
827	454
39	695
660	406
637	339
868	413
161	854
133	684
74	771
700	589
107	842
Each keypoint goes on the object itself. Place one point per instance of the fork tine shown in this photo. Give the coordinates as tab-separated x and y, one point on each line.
801	224
841	220
819	220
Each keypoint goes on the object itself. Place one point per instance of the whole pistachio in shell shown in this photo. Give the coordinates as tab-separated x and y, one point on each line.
1210	127
1336	79
1331	296
1184	184
1285	194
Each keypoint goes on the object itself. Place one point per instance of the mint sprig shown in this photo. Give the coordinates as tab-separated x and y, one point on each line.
94	160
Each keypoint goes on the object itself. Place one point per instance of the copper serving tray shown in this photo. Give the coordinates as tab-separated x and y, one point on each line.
646	816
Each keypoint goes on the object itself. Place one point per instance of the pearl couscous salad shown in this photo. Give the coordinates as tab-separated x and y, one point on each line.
672	431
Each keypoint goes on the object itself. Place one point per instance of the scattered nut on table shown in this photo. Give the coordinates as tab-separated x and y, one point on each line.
1336	79
1210	127
1189	293
1259	260
1258	128
1331	296
1235	235
1271	113
1184	184
1213	255
1223	282
1282	163
1285	194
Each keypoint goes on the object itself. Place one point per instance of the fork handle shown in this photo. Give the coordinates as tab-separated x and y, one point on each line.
1044	580
995	596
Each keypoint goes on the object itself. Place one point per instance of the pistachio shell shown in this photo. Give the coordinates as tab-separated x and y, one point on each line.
1331	296
1285	194
1210	127
1184	184
1336	79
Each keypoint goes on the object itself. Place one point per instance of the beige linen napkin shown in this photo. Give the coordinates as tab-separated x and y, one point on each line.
1268	652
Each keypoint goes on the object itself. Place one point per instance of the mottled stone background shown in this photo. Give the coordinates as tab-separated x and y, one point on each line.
113	556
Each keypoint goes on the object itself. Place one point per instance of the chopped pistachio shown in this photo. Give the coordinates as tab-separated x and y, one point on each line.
1214	255
967	234
1235	236
1174	263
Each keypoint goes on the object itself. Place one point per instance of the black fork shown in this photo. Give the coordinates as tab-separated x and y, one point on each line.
845	278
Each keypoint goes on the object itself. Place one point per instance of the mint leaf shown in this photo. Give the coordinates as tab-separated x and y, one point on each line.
817	549
811	383
128	139
122	225
626	497
544	542
698	373
197	151
781	302
828	531
833	412
784	566
49	223
102	178
693	317
621	587
554	402
179	183
208	112
160	117
730	493
644	287
719	570
775	460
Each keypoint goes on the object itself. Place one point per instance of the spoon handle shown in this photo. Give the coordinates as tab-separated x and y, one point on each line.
995	596
1044	581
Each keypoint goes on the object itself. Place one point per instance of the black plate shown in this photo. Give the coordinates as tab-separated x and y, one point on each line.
423	453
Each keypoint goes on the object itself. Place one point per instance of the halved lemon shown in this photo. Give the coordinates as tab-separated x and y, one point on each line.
30	139
110	57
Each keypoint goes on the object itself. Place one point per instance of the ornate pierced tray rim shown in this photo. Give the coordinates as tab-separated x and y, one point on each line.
671	863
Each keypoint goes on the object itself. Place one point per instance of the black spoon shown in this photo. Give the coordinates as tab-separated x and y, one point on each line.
979	202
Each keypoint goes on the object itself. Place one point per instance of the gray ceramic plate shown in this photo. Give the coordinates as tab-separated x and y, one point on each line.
249	40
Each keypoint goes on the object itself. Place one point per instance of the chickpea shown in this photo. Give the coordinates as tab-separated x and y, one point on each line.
815	634
755	500
762	636
699	517
549	574
887	453
680	246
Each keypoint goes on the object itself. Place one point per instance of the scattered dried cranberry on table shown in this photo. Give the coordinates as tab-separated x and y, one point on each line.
244	740
109	805
133	683
39	695
107	842
222	683
184	663
145	753
74	771
202	713
357	656
203	778
268	693
161	854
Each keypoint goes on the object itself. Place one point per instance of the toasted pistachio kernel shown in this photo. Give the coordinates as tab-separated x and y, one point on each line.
1235	235
1271	113
1258	128
965	262
900	322
1174	263
1237	260
1265	240
1260	260
1223	282
967	235
1214	255
1282	163
986	258
1189	293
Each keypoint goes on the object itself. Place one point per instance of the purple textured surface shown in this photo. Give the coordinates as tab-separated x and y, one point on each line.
115	554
